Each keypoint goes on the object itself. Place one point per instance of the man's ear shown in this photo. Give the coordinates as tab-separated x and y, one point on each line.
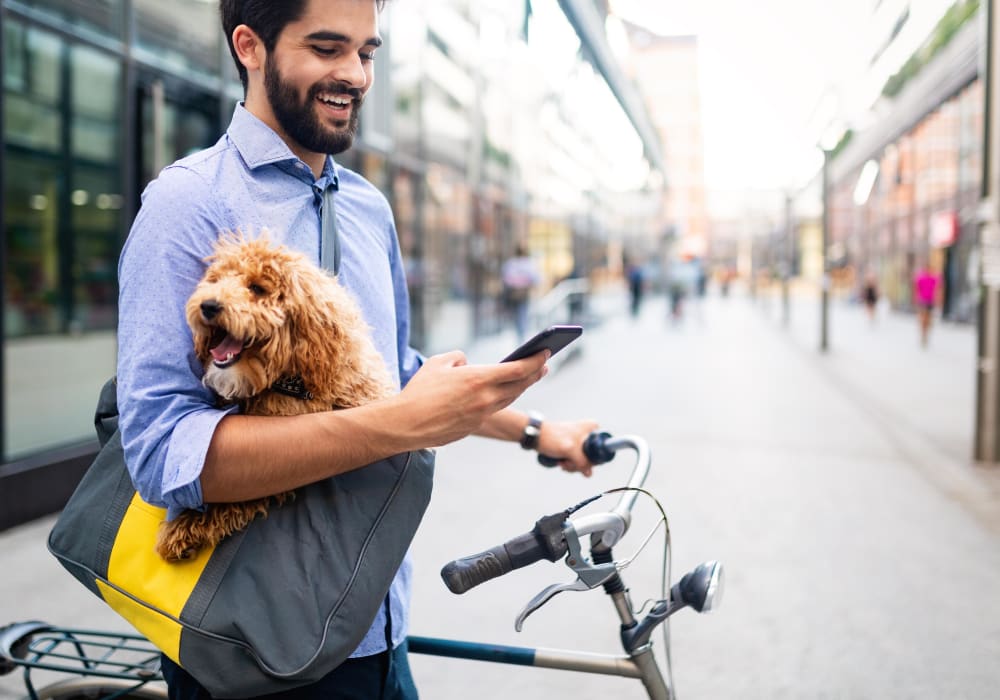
249	48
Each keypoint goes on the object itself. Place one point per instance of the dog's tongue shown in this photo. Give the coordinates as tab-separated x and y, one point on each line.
230	346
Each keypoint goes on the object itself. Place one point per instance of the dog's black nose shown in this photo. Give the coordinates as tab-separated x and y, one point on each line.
210	309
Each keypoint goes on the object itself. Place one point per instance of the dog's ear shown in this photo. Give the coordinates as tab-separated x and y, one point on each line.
321	313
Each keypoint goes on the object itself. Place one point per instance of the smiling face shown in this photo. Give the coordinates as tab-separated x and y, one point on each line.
309	89
302	118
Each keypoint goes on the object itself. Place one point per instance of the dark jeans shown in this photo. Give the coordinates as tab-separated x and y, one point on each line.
384	676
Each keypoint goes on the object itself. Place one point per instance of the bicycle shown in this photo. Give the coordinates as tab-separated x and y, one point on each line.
558	536
113	665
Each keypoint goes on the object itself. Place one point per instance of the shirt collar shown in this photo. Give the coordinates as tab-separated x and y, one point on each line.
259	146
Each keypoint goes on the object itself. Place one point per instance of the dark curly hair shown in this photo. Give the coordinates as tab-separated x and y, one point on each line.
267	18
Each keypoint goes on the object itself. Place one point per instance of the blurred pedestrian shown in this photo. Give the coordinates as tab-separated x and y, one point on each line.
869	296
925	284
698	277
701	281
681	278
634	275
519	277
726	276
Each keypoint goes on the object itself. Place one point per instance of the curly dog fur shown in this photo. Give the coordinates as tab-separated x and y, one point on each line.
266	320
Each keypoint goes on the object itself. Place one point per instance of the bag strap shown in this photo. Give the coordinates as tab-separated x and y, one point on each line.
106	414
330	237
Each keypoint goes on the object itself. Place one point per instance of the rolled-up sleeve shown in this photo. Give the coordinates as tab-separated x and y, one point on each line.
167	417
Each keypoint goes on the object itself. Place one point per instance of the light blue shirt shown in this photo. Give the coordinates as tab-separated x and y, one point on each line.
249	181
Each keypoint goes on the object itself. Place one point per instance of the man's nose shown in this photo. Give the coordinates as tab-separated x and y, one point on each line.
351	72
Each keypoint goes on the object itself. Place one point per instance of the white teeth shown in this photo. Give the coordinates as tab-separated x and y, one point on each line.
229	356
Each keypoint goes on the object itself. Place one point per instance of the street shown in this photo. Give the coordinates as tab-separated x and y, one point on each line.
861	546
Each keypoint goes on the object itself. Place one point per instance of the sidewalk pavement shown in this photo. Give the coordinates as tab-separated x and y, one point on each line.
860	542
923	398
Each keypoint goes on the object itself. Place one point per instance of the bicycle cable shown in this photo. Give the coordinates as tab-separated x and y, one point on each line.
665	572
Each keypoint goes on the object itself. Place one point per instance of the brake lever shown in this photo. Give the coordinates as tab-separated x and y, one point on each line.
588	575
542	598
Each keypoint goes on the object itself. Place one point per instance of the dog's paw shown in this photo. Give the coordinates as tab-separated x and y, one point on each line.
178	552
176	543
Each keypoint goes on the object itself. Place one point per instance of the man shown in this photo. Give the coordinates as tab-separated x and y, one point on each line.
306	66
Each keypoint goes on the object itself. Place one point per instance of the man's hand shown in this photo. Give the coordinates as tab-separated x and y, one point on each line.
448	398
563	440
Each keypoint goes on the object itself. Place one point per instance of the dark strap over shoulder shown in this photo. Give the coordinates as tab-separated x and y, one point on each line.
106	414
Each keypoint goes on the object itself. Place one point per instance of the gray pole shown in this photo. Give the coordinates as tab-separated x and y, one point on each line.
824	299
986	448
787	266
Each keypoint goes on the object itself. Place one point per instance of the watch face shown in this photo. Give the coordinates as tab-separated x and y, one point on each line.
529	438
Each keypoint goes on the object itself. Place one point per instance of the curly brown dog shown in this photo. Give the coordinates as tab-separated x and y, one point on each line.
278	336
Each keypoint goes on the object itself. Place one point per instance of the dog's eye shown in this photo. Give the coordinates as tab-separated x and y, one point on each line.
257	289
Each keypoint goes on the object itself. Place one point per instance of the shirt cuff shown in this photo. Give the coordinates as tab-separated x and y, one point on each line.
189	443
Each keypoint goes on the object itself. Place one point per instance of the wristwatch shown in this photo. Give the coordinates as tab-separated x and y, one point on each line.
529	438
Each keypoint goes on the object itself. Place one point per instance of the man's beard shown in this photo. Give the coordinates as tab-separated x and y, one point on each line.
299	120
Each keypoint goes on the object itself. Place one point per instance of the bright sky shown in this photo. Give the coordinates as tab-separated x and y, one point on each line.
764	66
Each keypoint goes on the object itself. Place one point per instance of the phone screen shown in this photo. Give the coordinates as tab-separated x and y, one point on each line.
553	338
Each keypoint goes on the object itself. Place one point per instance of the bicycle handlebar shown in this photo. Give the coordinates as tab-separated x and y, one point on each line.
546	540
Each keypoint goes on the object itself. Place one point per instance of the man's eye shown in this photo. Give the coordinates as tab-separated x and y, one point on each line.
368	56
257	290
324	51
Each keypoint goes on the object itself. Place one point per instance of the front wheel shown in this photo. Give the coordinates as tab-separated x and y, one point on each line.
101	689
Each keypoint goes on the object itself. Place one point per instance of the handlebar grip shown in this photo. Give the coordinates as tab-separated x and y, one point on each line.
594	447
545	541
468	572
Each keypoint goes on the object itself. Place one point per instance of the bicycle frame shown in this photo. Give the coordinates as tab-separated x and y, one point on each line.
641	664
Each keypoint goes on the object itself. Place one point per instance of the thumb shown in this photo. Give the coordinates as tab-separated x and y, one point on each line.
454	358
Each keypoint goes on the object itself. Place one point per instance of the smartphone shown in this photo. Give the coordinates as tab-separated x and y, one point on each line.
553	338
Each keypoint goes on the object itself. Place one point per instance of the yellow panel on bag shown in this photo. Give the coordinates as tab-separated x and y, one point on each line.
136	567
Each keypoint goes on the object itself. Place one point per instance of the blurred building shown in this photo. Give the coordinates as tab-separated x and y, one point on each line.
748	235
666	69
475	145
905	180
511	126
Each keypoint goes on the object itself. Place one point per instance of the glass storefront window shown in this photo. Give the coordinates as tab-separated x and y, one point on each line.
62	220
32	87
176	121
31	219
103	16
95	220
180	34
96	105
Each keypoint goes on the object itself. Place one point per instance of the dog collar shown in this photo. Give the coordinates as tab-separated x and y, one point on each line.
294	387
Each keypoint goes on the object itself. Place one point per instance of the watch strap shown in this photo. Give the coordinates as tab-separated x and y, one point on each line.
532	431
